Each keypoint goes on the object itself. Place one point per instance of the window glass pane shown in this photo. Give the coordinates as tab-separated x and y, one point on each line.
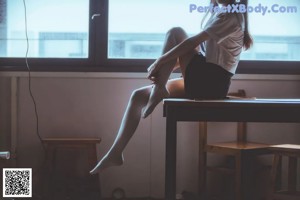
56	28
138	31
276	31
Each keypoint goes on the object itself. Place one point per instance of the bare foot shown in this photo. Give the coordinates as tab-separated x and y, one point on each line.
157	94
106	162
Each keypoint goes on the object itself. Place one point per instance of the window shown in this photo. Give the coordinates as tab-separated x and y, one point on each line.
56	29
276	33
138	31
128	35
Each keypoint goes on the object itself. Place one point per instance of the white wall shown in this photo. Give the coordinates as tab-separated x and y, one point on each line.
92	104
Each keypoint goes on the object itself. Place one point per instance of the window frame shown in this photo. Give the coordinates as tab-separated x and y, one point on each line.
97	60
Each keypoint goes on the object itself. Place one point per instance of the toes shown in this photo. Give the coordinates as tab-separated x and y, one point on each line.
107	162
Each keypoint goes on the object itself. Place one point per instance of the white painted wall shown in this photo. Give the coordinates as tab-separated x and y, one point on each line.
92	104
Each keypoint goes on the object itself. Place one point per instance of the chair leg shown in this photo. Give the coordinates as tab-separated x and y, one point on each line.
275	175
238	177
202	174
93	180
92	156
49	176
292	174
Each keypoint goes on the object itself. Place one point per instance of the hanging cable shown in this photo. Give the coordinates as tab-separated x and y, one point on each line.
29	82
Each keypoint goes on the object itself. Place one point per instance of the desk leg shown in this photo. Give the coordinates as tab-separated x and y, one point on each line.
202	159
171	140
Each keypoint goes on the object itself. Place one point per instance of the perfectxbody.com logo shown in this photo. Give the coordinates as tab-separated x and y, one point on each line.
242	8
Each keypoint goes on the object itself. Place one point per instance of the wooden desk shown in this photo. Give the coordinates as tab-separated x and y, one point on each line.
258	110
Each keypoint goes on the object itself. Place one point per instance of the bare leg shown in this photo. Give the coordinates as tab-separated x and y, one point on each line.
159	90
147	96
131	119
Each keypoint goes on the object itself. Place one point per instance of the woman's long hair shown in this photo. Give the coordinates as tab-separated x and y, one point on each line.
248	41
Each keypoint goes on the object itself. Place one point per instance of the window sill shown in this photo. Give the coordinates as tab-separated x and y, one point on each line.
138	75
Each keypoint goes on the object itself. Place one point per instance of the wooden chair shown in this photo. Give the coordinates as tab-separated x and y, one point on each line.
240	150
292	152
73	185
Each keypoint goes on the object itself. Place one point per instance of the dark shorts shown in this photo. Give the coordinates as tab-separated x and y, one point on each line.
206	80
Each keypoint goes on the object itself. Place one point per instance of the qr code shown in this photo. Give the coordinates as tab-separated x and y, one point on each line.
17	182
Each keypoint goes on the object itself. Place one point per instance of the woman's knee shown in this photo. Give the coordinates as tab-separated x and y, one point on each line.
139	95
177	32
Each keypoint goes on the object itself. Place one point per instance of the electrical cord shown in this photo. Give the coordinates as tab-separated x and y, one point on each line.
31	94
34	102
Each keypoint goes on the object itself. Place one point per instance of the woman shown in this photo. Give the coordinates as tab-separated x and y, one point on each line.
204	77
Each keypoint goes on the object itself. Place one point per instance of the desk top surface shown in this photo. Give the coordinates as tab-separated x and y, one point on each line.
233	110
232	102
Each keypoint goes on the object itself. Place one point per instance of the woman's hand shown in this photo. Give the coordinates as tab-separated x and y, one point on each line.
153	70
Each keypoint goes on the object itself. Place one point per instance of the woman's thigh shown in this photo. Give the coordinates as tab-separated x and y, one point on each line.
176	88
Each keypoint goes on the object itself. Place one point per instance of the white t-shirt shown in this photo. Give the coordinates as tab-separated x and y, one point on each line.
226	31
